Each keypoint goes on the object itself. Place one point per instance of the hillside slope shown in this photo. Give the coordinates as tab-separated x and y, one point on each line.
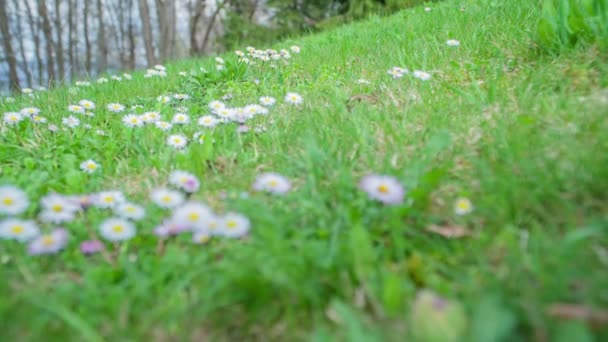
501	152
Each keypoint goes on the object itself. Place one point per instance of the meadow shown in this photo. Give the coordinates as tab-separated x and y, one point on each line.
430	176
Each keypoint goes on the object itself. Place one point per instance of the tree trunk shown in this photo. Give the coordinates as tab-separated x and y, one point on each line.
8	48
87	41
196	11
48	35
72	39
144	10
166	12
24	60
131	36
34	30
102	64
59	42
210	25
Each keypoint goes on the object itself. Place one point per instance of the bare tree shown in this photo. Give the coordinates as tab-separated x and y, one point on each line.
219	7
24	59
131	35
73	37
48	35
101	39
59	41
8	47
196	9
87	40
166	14
34	31
144	12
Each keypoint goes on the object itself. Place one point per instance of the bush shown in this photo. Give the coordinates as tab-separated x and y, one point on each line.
567	23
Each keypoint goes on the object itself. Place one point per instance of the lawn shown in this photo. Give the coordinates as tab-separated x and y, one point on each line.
489	225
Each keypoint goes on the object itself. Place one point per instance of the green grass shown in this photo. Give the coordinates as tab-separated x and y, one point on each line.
522	135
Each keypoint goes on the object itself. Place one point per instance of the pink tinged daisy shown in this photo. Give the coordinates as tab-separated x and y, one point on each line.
130	211
385	189
115	107
132	120
76	109
117	229
234	225
272	182
71	121
192	216
397	72
86	104
184	181
463	206
12	118
177	141
53	128
13	201
180	119
167	198
163	125
207	121
108	199
422	75
169	228
89	166
294	98
29	111
58	209
49	243
267	101
453	42
17	229
91	247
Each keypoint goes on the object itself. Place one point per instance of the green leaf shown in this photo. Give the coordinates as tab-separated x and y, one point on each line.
492	321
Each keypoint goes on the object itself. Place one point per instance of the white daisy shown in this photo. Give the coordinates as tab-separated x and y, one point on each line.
117	229
272	182
150	117
294	98
163	125
127	77
89	166
192	215
167	198
463	206
181	96
422	75
29	111
397	72
71	121
385	189
163	99
102	80
130	211
160	67
116	78
76	109
219	60
453	42
207	121
86	104
17	229
216	105
108	199
27	91
57	209
363	81
177	140
184	181
13	201
295	49
38	119
100	132
12	118
180	119
234	225
200	237
49	243
225	114
115	107
132	120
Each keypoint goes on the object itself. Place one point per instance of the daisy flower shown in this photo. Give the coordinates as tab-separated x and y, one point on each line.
180	119
463	206
91	247
220	67
86	104
207	121
71	121
132	120
168	228
12	118
294	98
117	229
108	199
116	78
219	60
89	166
102	80
397	72
200	237
27	91
58	209
200	137
29	111
427	9
17	229
216	105
177	141
163	99
453	42
422	75
130	211
184	181
163	125
49	243
76	109
295	49
38	119
150	117
191	215
385	189
182	73
234	225
181	96
272	182
100	132
53	128
363	81
115	107
167	198
13	201
160	67
127	77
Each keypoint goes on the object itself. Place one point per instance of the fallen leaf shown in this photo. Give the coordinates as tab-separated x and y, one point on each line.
450	231
578	311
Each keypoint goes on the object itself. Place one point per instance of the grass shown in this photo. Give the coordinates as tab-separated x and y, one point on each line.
521	134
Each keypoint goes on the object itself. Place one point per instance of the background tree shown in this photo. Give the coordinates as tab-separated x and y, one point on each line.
8	47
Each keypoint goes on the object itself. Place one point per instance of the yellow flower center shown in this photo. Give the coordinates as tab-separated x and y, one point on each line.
193	216
130	210
14	118
273	183
166	199
383	188
48	240
7	201
463	205
231	224
108	199
57	208
203	238
118	228
17	229
133	120
212	225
